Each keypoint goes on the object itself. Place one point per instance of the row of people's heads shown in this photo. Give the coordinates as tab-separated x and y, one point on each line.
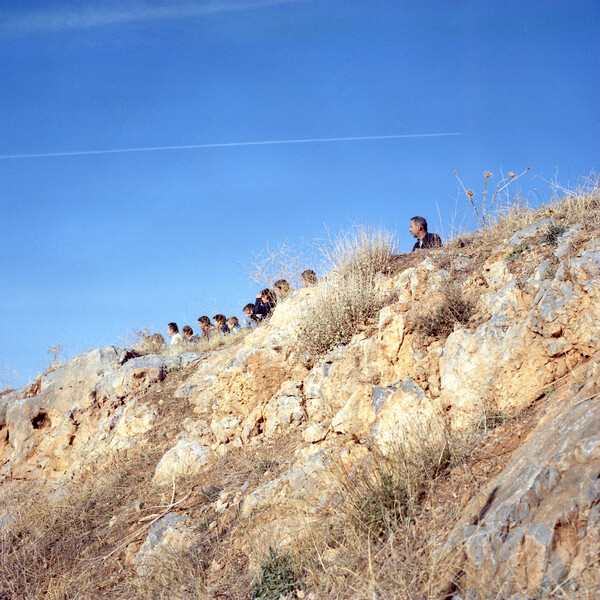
281	288
204	324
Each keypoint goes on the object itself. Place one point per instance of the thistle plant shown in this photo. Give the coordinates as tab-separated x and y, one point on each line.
484	211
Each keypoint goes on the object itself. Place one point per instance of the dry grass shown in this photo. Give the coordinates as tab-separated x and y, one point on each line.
348	298
52	544
340	564
176	574
389	486
375	542
145	342
581	205
448	308
284	261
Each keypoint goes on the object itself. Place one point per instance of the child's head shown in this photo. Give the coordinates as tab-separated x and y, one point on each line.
282	288
268	295
204	322
220	320
232	322
309	278
249	310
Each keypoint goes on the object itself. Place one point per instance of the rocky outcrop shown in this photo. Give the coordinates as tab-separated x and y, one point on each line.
534	525
537	524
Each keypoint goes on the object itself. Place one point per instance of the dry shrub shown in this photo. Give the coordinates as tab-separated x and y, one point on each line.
283	261
377	542
349	297
361	252
336	314
175	574
388	486
150	343
484	209
438	316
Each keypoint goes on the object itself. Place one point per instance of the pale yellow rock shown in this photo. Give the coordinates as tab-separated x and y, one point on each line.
314	433
357	414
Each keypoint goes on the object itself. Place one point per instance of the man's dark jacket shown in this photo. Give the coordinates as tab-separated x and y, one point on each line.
431	240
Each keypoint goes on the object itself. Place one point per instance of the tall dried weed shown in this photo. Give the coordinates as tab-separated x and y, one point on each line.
349	297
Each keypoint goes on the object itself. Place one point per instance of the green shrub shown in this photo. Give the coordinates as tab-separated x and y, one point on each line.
517	252
277	577
553	232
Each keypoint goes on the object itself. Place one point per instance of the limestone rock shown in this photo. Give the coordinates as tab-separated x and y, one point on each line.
281	412
537	523
528	232
314	433
224	429
167	536
186	458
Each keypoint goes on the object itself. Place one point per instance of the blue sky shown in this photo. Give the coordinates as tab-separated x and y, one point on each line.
93	245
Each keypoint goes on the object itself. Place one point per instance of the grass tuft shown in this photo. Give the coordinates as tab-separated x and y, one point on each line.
349	298
450	307
389	488
277	577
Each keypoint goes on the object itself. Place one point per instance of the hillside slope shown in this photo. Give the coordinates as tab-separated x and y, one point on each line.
450	449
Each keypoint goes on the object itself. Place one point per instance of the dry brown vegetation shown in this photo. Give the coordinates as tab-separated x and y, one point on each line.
349	298
143	341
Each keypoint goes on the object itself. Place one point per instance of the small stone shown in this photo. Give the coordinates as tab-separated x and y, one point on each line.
314	433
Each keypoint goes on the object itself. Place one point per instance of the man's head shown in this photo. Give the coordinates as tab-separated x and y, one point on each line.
187	332
309	278
249	309
220	320
282	288
172	329
418	227
204	323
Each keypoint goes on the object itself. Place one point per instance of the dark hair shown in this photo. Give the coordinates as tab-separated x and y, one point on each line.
270	294
204	319
173	326
188	329
420	222
283	286
249	306
220	318
309	277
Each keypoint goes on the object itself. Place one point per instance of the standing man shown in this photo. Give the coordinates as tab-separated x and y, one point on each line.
418	229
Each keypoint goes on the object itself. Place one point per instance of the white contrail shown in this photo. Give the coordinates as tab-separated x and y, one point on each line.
229	145
101	14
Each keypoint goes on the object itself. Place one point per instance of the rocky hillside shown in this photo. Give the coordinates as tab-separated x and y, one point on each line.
450	448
